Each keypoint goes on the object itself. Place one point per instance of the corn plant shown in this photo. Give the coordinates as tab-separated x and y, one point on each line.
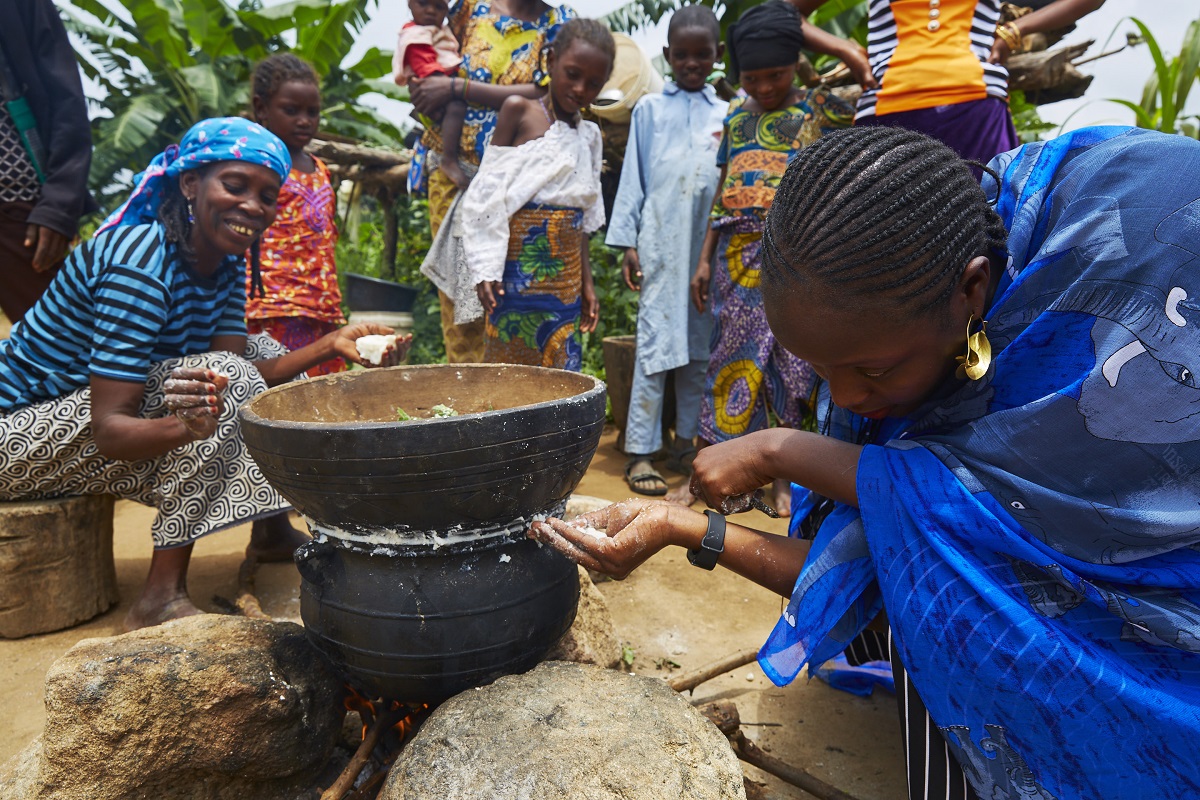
1166	91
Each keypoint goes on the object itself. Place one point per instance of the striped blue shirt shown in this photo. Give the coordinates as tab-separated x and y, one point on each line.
121	303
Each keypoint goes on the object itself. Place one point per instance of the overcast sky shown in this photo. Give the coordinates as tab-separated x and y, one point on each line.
1122	75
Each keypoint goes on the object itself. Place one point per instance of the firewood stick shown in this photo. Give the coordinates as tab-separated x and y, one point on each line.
752	754
247	602
690	680
369	787
723	714
358	761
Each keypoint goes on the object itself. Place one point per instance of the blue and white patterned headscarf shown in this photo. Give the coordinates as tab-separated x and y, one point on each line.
207	142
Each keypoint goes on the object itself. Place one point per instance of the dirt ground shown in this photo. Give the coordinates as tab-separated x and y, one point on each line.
668	612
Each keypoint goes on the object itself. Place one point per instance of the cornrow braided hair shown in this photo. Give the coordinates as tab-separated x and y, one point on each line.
276	70
879	213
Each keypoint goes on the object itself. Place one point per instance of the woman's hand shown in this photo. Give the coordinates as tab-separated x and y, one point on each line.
430	95
344	341
699	285
196	397
854	56
1000	52
489	292
723	474
631	269
590	310
633	530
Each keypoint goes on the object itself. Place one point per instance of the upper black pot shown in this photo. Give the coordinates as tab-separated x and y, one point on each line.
373	294
333	447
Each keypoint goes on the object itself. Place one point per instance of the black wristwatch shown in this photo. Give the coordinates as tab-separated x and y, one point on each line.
712	545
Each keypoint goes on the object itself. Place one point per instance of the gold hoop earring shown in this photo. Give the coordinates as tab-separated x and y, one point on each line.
974	365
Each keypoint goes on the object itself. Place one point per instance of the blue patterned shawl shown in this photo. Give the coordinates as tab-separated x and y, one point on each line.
206	142
1035	535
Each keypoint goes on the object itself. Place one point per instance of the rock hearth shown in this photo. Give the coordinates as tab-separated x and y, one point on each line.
565	730
211	707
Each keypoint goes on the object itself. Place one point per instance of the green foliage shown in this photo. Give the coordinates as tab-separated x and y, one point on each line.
1166	92
845	18
618	304
167	64
1028	121
628	655
360	250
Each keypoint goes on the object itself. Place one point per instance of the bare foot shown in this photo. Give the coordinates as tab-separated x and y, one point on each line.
681	495
148	611
274	540
454	172
782	499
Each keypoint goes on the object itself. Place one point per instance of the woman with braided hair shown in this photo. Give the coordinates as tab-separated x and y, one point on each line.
1008	462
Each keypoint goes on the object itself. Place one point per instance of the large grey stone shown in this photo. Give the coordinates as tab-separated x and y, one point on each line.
592	638
567	731
207	707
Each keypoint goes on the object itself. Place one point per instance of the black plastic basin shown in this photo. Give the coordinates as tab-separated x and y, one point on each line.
375	294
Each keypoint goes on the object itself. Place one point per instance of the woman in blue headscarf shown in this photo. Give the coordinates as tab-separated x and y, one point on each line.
1011	458
126	376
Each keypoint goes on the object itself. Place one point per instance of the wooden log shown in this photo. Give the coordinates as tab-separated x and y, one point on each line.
754	755
356	154
1048	68
56	563
722	713
690	680
247	601
345	782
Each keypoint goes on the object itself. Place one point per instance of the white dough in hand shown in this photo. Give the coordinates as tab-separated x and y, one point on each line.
371	348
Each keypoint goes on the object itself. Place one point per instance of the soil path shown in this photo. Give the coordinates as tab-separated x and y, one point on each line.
674	617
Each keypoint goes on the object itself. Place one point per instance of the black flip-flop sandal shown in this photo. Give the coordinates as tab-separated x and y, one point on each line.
645	475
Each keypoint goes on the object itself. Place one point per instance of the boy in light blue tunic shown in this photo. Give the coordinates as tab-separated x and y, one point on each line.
660	217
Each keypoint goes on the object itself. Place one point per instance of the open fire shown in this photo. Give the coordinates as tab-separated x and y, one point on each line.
387	727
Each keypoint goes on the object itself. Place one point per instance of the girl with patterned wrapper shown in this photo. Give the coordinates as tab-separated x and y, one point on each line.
292	290
1009	460
527	213
130	369
748	372
502	46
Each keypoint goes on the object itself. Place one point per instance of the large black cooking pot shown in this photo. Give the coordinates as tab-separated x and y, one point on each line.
333	447
424	628
420	582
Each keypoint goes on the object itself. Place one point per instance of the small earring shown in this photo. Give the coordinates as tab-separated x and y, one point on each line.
974	365
191	217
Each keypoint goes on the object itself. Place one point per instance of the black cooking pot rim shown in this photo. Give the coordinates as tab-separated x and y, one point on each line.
247	414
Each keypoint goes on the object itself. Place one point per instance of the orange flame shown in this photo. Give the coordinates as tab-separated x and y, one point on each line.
367	710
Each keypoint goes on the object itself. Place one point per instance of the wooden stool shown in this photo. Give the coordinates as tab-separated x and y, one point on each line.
56	563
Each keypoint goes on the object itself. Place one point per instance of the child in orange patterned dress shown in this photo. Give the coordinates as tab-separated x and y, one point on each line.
292	293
